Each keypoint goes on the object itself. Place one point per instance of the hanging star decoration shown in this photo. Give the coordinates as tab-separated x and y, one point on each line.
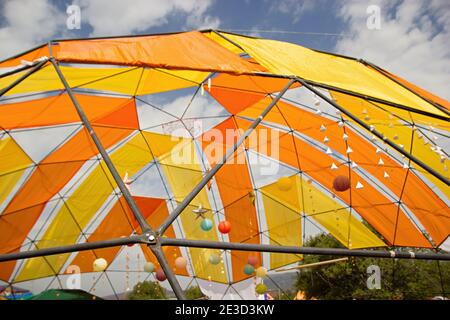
127	181
200	212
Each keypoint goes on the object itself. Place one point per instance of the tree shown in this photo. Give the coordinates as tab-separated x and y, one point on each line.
147	290
400	279
193	293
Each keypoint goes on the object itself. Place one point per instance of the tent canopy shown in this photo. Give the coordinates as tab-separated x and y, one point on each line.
110	135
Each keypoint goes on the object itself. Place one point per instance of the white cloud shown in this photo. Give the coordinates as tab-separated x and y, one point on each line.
412	41
31	22
116	17
26	24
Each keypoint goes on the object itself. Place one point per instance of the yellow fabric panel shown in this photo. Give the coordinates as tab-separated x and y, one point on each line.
397	131
7	183
160	80
224	43
120	80
13	162
290	59
183	173
84	203
325	210
12	157
284	228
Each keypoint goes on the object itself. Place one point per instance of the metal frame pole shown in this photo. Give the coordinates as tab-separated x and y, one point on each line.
376	133
112	169
174	284
387	75
302	250
23	77
71	248
179	209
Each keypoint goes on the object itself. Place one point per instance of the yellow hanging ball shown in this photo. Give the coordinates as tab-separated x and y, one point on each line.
100	264
261	272
284	183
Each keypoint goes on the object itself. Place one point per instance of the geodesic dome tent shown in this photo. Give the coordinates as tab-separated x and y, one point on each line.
115	148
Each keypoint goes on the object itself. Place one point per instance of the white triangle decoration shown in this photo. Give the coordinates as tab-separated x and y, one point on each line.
359	185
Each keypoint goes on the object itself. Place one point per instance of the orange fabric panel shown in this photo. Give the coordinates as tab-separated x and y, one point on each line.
81	147
58	110
420	91
124	117
235	100
14	229
52	173
189	51
367	201
431	211
119	223
42	185
47	179
236	191
29	56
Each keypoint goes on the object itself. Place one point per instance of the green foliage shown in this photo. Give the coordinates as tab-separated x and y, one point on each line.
147	290
193	293
400	279
286	295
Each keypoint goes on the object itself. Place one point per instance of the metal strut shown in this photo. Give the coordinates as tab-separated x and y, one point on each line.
35	68
302	250
186	201
376	133
112	169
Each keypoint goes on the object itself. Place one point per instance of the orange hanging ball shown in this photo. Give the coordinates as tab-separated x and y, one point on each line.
224	226
341	183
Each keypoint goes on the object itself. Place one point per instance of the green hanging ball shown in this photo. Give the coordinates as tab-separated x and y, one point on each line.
206	224
249	269
261	288
214	259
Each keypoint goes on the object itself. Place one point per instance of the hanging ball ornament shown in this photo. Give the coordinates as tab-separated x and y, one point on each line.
284	183
160	275
261	272
100	264
341	183
261	288
224	226
253	260
206	224
180	263
214	259
149	267
249	269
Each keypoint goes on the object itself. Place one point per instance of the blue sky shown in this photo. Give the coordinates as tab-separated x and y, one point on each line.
412	40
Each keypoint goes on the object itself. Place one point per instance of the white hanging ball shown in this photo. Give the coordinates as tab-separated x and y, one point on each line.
149	267
100	264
